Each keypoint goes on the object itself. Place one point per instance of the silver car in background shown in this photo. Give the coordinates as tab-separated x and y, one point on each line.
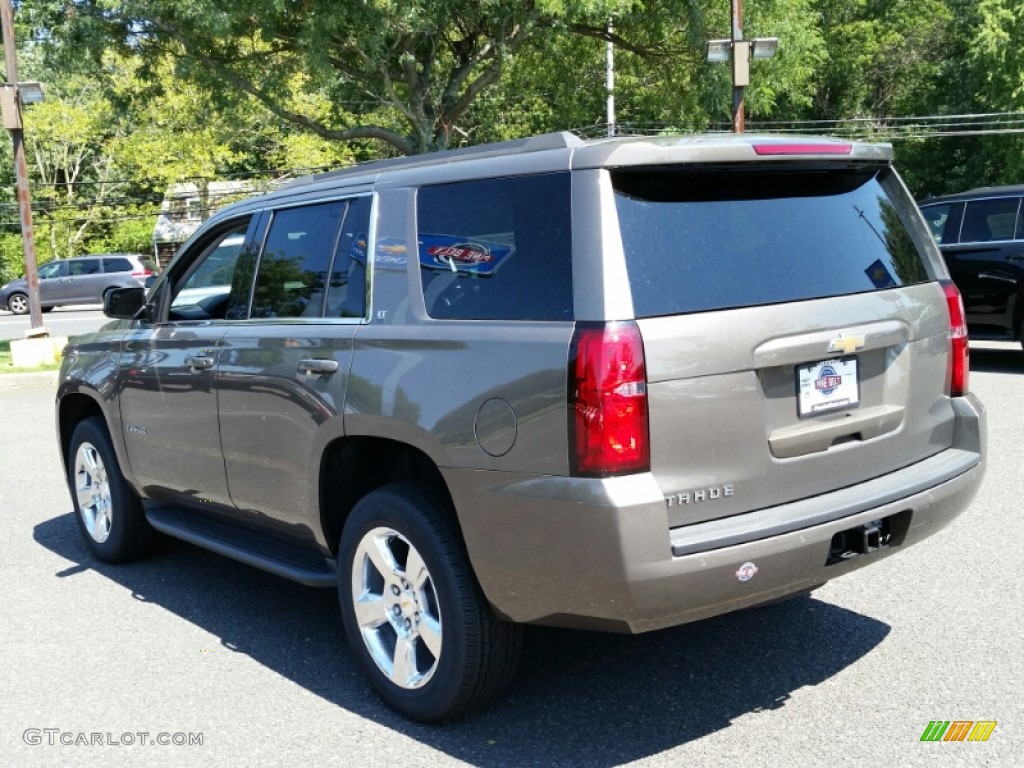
81	280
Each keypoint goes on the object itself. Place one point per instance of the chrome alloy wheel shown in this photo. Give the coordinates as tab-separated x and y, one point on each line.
396	608
92	489
18	304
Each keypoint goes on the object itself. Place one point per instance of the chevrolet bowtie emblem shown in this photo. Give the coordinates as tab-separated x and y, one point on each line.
846	345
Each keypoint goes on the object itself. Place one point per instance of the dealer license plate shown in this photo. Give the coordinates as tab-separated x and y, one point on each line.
827	385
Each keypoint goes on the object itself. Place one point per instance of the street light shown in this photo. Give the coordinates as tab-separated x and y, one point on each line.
719	50
13	96
740	51
764	47
31	92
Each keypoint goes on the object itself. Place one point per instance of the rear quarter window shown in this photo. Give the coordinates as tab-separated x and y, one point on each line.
723	238
497	249
989	220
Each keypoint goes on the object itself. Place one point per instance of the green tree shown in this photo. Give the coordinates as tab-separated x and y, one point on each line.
174	134
996	59
884	56
426	74
399	73
662	81
12	256
72	168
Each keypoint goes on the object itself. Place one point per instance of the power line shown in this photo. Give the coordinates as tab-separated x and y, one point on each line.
105	219
44	206
273	173
891	128
875	128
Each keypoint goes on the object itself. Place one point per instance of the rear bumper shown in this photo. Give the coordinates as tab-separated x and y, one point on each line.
599	554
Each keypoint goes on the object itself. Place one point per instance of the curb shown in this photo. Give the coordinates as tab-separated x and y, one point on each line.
36	379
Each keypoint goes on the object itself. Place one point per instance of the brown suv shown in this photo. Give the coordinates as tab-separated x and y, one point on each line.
615	385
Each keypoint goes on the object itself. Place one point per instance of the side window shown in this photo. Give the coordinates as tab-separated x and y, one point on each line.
212	276
497	249
117	265
346	292
204	290
51	270
84	267
988	220
291	278
936	216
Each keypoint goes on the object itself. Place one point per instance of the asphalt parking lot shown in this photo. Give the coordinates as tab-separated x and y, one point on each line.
190	643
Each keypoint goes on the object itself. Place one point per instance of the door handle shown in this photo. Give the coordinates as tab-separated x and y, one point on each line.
993	276
317	365
199	362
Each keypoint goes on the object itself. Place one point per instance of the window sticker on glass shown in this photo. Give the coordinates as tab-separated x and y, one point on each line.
827	385
358	249
389	253
459	254
880	276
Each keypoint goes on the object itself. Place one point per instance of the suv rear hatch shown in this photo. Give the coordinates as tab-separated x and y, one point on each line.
795	333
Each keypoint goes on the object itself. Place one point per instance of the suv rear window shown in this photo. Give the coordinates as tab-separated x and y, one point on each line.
497	249
716	239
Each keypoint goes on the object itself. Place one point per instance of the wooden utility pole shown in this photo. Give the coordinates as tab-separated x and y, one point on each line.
740	65
13	122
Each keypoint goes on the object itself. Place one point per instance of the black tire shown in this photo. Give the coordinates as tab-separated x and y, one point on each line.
113	524
18	303
46	309
478	653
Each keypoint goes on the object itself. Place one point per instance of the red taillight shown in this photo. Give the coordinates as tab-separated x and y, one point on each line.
803	148
143	273
608	400
959	359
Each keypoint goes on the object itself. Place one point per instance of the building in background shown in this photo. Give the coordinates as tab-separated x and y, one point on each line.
188	205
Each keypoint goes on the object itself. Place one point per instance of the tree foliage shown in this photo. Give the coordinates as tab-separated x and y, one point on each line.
885	56
142	94
995	58
400	73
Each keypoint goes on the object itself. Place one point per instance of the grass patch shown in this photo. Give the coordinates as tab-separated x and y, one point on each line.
6	366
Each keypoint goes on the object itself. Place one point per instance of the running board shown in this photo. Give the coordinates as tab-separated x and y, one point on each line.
245	545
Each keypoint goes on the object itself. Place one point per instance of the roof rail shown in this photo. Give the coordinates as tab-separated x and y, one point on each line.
545	141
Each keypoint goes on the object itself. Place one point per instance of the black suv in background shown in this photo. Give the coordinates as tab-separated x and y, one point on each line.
981	236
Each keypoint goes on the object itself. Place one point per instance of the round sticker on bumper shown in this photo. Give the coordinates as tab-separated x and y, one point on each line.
746	572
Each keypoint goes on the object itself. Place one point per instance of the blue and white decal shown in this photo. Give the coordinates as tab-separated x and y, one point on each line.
828	380
461	254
